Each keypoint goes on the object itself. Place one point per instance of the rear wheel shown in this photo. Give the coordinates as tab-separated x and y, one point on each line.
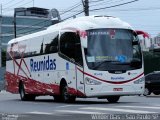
113	99
23	95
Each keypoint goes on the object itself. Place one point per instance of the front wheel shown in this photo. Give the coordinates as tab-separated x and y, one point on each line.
66	96
113	99
146	92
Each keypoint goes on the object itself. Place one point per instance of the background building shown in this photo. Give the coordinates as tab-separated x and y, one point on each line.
28	20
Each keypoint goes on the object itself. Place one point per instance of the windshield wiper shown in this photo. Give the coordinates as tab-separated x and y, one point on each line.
106	61
136	62
132	62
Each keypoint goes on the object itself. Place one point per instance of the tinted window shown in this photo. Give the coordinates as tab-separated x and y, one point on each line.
7	30
31	22
5	39
45	44
113	49
18	50
33	47
7	20
70	47
52	47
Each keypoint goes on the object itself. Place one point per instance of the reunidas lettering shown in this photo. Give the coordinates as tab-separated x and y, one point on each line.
45	64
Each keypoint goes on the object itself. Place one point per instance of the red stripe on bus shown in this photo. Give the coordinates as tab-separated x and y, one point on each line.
111	82
35	87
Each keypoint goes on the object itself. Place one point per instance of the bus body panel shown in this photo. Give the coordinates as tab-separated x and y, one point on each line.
122	86
80	82
41	72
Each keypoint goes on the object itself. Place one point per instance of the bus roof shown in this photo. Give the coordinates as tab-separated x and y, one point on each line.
81	23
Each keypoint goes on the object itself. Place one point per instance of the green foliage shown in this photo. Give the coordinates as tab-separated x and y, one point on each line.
151	61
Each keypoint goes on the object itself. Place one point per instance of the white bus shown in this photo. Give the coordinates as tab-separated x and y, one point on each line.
95	56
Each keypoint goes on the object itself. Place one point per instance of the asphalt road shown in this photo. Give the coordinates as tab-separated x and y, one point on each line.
45	108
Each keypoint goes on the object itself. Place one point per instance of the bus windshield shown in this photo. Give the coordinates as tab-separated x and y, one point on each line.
113	49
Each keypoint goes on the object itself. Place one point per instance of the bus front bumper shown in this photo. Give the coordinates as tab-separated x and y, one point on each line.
118	90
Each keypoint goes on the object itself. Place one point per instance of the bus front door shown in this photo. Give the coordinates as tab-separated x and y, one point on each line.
80	82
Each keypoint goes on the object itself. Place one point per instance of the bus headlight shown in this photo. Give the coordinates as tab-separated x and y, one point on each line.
139	81
90	81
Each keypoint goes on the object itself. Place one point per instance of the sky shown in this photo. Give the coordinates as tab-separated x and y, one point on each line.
141	15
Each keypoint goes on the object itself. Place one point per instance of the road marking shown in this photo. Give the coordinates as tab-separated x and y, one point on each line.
116	109
78	112
70	106
40	113
149	107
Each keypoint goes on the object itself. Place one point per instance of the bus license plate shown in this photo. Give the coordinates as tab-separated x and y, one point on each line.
117	89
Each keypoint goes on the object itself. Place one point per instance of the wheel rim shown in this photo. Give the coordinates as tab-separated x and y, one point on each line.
146	91
22	92
65	93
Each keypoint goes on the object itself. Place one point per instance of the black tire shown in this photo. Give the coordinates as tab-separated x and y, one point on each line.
57	98
146	92
72	99
113	99
22	92
23	95
31	97
65	97
156	93
64	93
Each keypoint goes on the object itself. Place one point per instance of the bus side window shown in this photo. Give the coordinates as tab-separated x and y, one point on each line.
52	47
70	46
67	44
